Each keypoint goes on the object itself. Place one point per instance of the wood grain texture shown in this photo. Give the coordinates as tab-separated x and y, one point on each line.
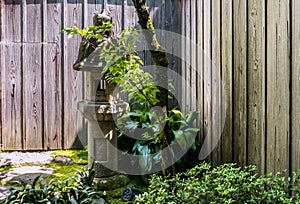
278	75
11	89
74	131
33	21
130	17
207	100
52	98
91	7
193	50
12	110
115	9
32	75
216	82
183	57
256	84
187	84
32	105
295	86
11	20
227	63
240	82
200	71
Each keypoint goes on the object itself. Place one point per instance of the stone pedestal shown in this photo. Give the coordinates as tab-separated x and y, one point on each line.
102	137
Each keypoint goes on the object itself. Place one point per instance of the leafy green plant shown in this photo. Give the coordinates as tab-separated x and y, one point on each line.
73	190
149	125
159	131
227	183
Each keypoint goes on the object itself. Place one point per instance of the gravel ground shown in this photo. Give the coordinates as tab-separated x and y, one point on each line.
19	158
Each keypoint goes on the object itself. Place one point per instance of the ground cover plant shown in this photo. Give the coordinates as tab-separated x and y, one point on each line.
78	189
226	183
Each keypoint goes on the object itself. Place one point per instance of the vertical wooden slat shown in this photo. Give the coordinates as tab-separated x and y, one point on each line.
227	45
207	73
52	76
200	72
172	24
216	83
277	86
115	10
32	75
183	56
240	81
11	77
130	17
187	91
192	62
74	132
295	152
256	84
91	8
12	97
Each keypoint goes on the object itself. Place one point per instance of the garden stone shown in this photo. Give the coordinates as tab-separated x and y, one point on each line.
19	158
4	192
113	182
26	174
64	160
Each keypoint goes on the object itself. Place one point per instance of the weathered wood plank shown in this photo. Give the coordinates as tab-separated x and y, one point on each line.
73	128
295	86
256	84
11	91
207	73
200	72
188	27
172	24
12	110
130	17
227	46
91	7
216	82
115	9
32	88
11	20
52	76
278	66
193	48
32	75
33	21
240	82
183	57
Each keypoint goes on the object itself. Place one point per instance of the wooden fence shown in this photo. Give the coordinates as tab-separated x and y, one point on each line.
40	90
255	45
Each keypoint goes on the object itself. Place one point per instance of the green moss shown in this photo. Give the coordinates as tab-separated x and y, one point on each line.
64	171
78	156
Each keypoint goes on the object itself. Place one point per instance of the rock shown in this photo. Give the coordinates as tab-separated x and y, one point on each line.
19	158
65	160
4	192
26	174
113	182
98	201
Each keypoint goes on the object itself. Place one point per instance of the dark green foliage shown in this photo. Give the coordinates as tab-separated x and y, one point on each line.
148	127
223	184
79	189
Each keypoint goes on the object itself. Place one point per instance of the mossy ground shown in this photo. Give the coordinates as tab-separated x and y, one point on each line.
80	158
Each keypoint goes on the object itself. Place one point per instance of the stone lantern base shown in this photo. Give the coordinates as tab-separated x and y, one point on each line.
102	137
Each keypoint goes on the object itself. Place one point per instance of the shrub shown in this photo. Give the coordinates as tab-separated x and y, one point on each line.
79	189
227	183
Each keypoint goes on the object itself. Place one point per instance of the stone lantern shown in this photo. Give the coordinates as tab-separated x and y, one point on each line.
100	107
